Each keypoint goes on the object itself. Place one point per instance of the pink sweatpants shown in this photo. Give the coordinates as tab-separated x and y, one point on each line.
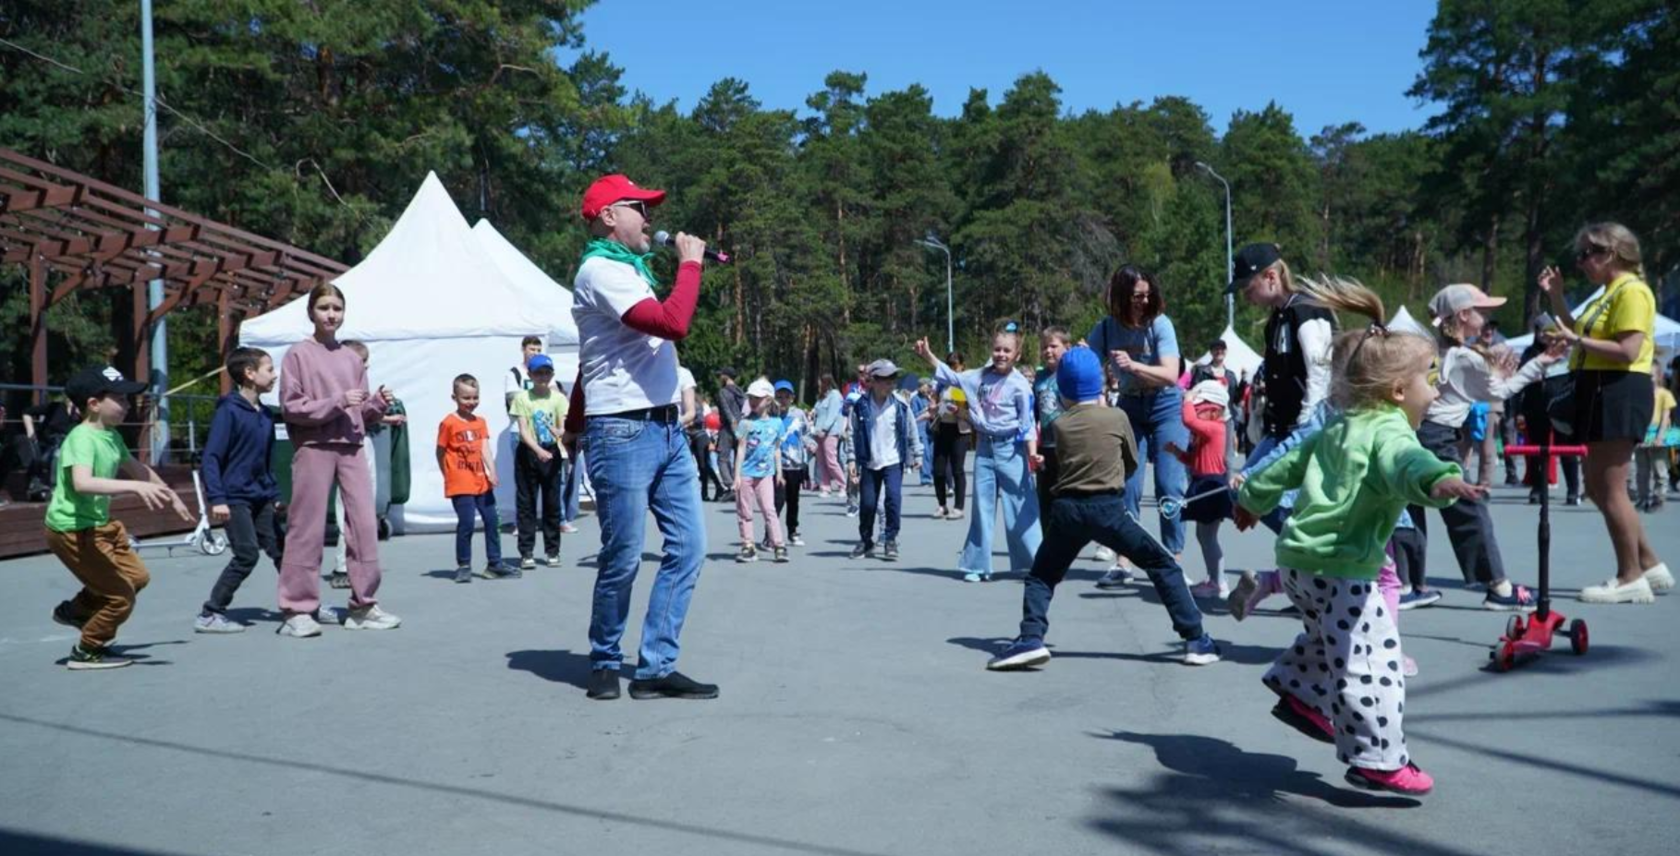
760	491
829	474
314	468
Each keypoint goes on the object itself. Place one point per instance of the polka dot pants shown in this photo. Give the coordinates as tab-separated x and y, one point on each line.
1347	665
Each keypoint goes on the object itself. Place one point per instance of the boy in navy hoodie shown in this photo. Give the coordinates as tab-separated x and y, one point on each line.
239	481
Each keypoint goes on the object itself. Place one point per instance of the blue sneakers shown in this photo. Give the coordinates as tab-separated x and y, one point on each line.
1418	599
1201	651
1024	653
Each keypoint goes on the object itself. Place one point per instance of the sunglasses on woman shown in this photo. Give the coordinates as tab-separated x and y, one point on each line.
1589	251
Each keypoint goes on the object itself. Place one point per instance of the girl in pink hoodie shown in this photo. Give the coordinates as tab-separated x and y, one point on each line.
325	401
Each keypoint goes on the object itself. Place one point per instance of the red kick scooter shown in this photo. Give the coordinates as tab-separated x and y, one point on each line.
1525	640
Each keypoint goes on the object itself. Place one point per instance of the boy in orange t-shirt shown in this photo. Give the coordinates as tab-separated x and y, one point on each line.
467	461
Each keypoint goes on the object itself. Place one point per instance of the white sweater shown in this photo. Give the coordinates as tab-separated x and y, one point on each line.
1466	378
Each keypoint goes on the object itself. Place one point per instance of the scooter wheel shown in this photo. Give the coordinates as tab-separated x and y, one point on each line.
1503	658
1578	636
213	544
1514	628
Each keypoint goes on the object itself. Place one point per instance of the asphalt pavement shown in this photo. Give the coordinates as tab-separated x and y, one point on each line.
856	717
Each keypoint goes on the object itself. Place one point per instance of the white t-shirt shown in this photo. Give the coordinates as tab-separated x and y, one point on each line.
515	382
685	380
883	441
622	369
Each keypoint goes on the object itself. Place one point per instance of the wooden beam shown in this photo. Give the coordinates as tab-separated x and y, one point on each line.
38	325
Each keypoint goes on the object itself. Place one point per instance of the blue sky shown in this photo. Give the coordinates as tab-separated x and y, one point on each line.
1325	62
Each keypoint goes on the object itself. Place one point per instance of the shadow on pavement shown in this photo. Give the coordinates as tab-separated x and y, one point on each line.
15	843
727	837
562	666
1212	770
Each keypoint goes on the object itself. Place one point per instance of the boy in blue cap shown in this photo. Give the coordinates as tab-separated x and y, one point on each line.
1095	453
537	465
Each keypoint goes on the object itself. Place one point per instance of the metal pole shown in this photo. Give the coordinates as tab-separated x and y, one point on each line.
1230	261
154	290
950	311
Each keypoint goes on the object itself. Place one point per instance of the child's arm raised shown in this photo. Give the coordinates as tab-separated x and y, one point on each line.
1262	491
138	479
1419	477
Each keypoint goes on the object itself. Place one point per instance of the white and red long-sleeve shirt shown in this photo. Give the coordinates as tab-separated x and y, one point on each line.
627	359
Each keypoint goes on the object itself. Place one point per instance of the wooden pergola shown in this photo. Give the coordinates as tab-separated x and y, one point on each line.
76	233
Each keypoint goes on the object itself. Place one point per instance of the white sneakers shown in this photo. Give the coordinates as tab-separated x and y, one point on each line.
302	625
371	618
1643	590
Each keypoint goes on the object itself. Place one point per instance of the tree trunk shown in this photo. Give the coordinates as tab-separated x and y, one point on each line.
1490	253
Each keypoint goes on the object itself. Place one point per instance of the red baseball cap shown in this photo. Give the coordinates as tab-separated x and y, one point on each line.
615	188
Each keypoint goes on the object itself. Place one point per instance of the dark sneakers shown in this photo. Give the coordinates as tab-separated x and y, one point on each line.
603	684
864	548
891	552
62	615
674	685
84	660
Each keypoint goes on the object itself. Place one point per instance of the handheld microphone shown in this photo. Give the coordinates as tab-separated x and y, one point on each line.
664	238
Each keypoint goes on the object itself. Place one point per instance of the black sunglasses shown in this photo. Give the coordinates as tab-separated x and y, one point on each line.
1589	251
640	207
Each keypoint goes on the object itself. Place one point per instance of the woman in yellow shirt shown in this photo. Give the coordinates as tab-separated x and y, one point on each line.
1613	400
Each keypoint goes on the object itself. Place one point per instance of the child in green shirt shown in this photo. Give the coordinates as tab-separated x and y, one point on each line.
1341	681
80	531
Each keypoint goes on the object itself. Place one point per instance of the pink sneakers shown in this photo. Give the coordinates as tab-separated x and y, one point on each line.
1408	780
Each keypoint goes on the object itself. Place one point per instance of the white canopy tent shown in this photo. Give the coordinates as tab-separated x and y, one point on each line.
1405	323
1667	329
433	301
1239	357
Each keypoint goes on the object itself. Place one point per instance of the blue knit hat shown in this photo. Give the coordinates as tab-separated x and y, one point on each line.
1079	377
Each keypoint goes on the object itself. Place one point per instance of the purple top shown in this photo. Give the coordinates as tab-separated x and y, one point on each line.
313	380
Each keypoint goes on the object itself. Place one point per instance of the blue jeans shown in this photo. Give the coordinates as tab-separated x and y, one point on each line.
638	466
1000	468
1269	449
1157	420
574	480
1077	521
887	480
483	506
927	453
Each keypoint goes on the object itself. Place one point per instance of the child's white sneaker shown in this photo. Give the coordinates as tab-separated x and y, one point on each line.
371	618
301	626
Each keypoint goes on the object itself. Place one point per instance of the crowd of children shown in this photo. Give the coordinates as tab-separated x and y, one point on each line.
1359	433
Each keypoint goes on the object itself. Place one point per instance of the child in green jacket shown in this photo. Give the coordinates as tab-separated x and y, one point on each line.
1341	681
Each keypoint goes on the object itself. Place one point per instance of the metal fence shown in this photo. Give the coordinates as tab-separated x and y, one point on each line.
189	418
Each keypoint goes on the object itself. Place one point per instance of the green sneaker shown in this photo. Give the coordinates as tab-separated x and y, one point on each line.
82	659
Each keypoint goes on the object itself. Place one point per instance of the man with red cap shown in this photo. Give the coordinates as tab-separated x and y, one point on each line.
626	413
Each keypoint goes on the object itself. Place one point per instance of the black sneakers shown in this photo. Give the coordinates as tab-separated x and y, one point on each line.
603	684
864	548
62	615
674	685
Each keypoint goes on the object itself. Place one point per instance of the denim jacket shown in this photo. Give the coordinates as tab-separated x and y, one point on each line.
863	427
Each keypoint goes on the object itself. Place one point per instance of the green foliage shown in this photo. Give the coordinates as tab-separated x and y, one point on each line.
1553	112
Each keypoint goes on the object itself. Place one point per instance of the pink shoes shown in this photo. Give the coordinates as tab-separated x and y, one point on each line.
1408	780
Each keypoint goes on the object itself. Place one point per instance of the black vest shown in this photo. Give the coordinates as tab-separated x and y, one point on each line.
1286	366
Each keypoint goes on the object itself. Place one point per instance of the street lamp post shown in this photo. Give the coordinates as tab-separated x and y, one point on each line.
1230	265
932	242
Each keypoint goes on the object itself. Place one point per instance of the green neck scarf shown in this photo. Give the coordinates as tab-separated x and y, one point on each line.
610	249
